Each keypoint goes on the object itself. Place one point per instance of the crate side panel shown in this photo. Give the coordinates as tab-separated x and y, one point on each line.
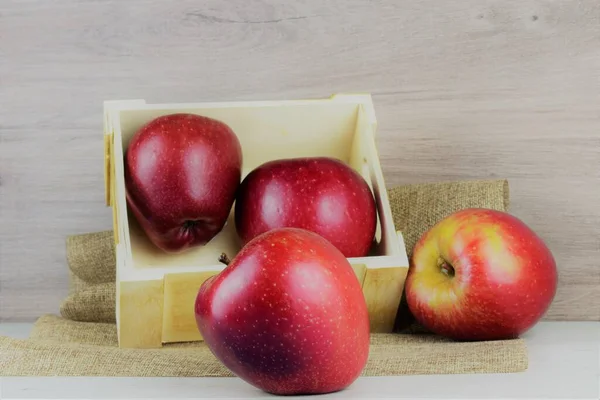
121	224
383	288
365	158
359	161
141	314
360	270
179	320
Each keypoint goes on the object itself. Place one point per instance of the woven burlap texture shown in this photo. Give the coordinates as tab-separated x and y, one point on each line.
61	347
83	340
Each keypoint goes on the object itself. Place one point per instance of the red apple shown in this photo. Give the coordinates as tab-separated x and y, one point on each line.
181	175
480	274
287	315
319	194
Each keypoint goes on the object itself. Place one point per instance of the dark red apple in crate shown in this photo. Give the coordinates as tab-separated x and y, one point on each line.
181	175
319	194
287	315
480	274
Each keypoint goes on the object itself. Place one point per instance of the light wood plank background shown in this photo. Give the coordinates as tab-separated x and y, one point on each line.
463	90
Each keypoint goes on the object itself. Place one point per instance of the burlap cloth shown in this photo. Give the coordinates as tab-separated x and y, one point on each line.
82	341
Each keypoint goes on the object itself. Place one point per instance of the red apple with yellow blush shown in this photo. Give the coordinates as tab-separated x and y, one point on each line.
480	274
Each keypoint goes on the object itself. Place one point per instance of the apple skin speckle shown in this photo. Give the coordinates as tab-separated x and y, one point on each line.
319	194
298	324
181	175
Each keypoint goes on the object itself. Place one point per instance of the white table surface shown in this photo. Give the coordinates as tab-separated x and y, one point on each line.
564	363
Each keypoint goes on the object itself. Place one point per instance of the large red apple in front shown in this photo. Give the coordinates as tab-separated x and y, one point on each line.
287	315
181	175
480	274
319	194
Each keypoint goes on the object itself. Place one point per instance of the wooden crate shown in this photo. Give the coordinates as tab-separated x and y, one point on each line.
156	291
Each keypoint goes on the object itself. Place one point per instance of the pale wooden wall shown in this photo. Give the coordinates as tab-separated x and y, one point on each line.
463	89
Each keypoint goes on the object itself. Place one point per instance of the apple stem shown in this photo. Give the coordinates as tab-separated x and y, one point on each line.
224	259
